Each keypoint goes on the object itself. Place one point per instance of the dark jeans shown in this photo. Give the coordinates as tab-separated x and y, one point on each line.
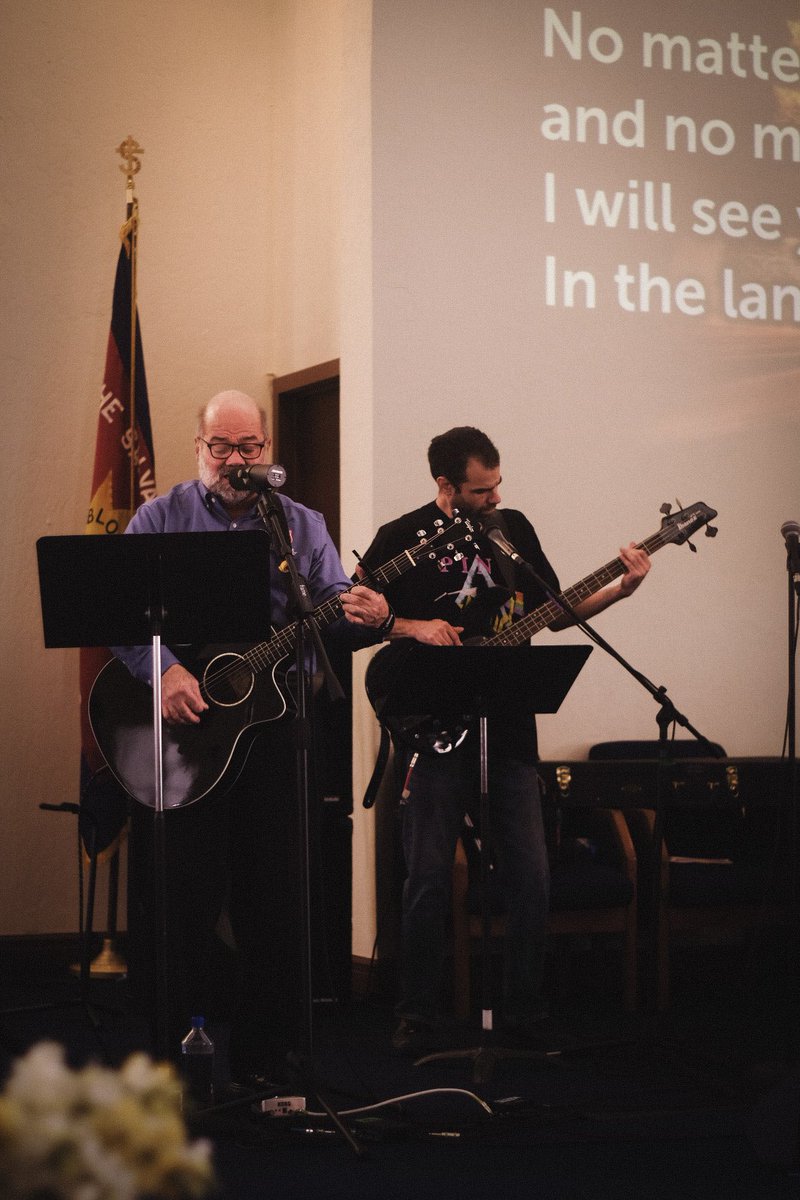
443	787
237	853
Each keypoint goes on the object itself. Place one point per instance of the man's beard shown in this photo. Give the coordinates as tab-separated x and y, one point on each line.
216	480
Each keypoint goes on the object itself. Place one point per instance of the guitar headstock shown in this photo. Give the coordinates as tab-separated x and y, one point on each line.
678	527
445	537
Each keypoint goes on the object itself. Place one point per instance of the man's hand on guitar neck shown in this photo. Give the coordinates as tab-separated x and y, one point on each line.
363	606
636	562
181	702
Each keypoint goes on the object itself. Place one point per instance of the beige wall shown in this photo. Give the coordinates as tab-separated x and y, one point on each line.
238	108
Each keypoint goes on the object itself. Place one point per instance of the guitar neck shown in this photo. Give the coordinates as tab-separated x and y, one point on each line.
266	654
523	630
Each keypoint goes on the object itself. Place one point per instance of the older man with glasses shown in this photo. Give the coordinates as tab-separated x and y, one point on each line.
238	852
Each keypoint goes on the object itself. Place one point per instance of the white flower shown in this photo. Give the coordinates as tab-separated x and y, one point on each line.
97	1134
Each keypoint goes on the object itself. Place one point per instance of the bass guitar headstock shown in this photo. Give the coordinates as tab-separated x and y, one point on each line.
678	527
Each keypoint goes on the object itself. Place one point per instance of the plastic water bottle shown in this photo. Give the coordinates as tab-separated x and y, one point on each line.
197	1063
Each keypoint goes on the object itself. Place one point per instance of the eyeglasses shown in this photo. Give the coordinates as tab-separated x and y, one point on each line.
222	450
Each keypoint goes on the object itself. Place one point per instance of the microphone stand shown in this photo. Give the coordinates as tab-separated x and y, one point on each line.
666	716
271	512
791	754
791	709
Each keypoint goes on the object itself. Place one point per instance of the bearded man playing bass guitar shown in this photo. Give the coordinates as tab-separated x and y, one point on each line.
236	848
475	594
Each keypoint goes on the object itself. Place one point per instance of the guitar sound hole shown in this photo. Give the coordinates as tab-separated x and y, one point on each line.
228	680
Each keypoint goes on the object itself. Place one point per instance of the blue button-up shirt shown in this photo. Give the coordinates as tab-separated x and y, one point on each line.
190	508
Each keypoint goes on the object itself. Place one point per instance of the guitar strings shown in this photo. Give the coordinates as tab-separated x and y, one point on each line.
526	627
277	647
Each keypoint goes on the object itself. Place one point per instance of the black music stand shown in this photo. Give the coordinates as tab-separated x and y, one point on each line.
483	682
134	591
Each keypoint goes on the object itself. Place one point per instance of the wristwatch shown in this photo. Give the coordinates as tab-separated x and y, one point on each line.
388	625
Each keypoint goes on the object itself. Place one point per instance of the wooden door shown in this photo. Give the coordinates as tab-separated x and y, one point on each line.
306	416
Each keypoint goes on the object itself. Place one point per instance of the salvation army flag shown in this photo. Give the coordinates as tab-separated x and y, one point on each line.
124	468
124	476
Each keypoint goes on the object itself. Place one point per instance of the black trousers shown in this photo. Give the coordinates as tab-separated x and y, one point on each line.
237	854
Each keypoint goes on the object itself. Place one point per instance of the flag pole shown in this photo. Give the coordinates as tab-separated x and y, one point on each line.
130	151
124	461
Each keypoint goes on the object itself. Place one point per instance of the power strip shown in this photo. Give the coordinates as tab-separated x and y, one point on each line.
283	1106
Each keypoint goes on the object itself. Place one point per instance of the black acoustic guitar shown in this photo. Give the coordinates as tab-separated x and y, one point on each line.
244	689
424	732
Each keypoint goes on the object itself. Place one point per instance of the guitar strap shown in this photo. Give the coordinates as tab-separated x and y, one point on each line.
378	685
378	770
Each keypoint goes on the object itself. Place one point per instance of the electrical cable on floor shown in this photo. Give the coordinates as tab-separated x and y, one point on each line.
349	1112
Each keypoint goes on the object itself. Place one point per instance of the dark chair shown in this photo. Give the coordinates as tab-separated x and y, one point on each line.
592	891
716	862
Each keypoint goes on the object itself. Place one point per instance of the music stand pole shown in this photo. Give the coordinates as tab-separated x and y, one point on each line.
486	1053
483	678
487	1016
160	852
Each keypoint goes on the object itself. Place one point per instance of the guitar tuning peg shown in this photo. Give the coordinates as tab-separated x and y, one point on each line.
711	531
691	546
677	501
666	509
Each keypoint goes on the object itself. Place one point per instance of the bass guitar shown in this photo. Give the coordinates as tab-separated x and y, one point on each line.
423	732
243	689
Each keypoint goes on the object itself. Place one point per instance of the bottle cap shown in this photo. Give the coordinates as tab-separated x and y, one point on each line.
198	1022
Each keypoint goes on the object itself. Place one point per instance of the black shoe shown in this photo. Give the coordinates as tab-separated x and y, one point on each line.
413	1037
252	1082
261	1073
265	1067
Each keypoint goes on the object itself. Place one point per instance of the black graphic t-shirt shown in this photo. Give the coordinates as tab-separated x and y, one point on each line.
473	586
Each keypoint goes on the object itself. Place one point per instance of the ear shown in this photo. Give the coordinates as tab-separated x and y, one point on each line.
445	486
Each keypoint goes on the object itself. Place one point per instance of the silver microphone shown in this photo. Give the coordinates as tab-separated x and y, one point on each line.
494	528
790	531
258	478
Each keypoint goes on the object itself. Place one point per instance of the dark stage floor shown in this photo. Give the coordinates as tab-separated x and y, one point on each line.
698	1102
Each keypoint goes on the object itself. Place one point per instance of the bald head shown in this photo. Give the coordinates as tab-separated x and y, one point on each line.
240	424
230	408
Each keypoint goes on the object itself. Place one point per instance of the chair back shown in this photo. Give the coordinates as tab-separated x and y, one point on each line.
678	748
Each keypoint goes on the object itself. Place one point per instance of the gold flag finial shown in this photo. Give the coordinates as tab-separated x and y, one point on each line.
130	149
